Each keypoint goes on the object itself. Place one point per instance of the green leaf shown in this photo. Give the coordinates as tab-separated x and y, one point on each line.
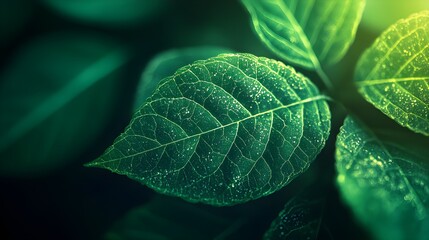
166	63
55	97
393	73
163	218
108	12
386	186
307	33
300	219
223	131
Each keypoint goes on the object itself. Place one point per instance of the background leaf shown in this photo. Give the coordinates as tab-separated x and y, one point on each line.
166	63
166	218
300	219
223	131
386	185
55	97
306	32
108	12
393	73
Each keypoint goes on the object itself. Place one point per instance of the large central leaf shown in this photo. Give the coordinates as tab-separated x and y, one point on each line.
223	131
166	64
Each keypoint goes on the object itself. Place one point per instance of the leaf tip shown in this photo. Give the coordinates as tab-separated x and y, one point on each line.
91	164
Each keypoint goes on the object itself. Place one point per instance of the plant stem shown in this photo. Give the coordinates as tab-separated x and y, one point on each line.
325	79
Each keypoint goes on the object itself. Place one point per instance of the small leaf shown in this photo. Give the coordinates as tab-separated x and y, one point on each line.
300	219
163	218
306	32
386	186
223	131
55	97
393	73
108	12
166	63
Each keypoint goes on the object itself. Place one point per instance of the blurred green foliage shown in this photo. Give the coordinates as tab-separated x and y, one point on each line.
110	13
14	15
380	14
56	97
166	218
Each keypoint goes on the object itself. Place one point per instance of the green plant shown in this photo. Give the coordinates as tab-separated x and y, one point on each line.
236	127
233	129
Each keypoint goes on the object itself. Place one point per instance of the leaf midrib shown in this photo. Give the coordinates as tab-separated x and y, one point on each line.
390	80
307	100
295	25
301	33
369	83
392	48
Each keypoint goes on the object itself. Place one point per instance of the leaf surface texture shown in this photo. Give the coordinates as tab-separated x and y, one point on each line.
307	33
165	64
386	186
223	131
393	73
300	219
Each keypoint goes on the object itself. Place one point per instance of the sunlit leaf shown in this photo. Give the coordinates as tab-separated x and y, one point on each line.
55	97
163	218
306	32
223	131
301	218
166	63
108	12
386	186
393	73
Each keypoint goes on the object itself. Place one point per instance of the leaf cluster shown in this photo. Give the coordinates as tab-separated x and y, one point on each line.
232	133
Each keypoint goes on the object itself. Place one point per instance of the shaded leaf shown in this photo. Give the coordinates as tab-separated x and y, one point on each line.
306	32
166	63
300	219
55	97
223	131
108	12
163	218
393	73
386	186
